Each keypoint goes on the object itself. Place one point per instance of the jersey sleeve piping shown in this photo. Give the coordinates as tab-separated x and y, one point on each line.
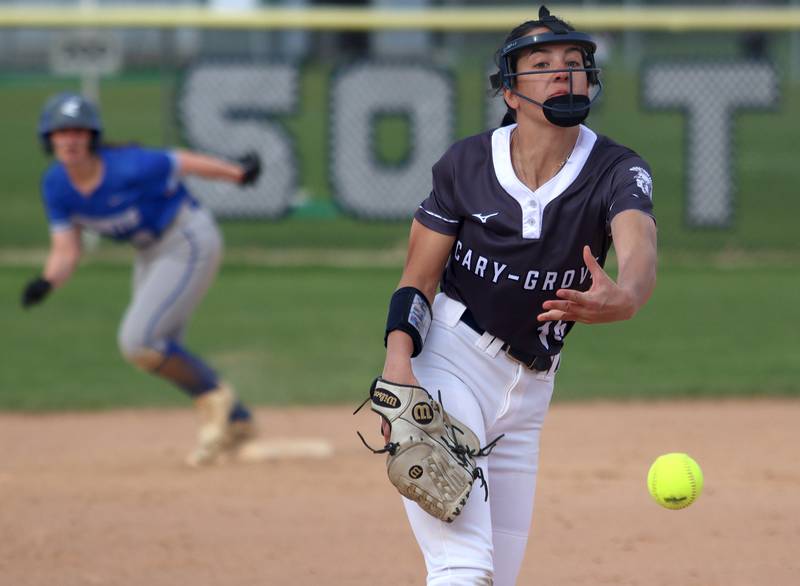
174	174
438	211
60	226
437	223
448	220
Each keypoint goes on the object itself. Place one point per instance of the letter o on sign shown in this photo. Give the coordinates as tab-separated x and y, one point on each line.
363	185
229	109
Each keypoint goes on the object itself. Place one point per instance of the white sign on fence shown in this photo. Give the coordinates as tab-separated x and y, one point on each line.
86	52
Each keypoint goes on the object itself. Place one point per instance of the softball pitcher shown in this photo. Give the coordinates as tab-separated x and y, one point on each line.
516	231
135	195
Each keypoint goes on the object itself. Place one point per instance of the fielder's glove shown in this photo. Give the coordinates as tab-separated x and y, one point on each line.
431	455
251	165
35	291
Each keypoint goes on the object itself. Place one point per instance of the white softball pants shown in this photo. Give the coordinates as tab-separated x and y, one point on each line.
493	395
170	279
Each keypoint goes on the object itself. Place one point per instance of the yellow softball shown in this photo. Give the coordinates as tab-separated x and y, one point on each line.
675	481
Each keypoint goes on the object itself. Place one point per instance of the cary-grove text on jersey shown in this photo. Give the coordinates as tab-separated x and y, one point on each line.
529	278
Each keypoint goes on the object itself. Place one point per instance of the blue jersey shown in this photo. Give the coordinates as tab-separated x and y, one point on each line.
136	200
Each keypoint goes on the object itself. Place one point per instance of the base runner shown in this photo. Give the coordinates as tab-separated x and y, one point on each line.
135	195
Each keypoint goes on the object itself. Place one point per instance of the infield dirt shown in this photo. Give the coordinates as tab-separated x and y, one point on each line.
103	498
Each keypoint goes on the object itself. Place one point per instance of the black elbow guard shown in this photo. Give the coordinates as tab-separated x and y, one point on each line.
409	312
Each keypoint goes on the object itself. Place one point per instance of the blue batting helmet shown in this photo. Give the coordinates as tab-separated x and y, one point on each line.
69	110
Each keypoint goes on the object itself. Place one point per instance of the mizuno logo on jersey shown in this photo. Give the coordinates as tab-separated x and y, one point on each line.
483	217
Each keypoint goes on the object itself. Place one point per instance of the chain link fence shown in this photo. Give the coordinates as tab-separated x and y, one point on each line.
351	122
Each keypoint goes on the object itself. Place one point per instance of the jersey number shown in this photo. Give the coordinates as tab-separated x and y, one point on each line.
558	332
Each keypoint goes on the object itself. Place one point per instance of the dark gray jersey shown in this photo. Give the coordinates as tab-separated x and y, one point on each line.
515	247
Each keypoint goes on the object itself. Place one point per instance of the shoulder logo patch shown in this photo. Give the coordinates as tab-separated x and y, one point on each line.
484	217
643	181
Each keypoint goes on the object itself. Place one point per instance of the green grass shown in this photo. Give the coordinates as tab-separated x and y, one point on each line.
283	336
706	332
314	335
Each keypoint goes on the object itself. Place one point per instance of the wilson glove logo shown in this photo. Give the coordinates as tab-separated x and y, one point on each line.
385	399
415	471
422	413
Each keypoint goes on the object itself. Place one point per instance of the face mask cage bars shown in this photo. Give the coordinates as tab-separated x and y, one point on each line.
502	79
592	71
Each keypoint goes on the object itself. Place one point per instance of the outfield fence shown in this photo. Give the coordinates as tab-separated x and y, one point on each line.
349	108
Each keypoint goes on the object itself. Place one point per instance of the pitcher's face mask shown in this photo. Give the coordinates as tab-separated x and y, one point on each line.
565	109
